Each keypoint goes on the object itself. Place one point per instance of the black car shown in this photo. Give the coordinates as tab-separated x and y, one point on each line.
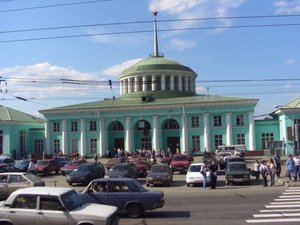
123	170
85	173
160	174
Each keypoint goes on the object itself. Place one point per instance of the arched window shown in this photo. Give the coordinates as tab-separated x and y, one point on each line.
170	124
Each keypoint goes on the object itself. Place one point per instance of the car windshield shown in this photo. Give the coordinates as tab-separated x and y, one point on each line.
195	168
180	158
32	177
119	168
42	162
71	200
25	162
159	169
136	186
237	167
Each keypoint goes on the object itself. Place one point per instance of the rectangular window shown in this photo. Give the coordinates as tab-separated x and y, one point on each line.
265	137
218	140
74	126
93	145
56	127
195	121
38	146
22	140
240	120
93	125
56	146
74	145
240	139
196	143
217	121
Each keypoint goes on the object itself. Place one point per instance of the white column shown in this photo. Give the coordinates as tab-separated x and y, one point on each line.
155	141
206	132
144	83
180	83
82	138
128	135
228	129
153	83
102	151
251	131
64	137
47	138
163	82
172	82
184	133
136	84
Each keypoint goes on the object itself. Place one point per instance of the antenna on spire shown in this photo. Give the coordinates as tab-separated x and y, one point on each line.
155	49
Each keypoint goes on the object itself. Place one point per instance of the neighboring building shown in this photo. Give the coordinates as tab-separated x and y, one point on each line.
20	133
158	108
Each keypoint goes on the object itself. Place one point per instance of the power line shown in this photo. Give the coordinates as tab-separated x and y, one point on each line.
52	6
147	31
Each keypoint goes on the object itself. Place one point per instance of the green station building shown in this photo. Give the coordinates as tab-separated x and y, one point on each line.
158	108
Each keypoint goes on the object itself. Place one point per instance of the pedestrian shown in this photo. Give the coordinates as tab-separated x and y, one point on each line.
290	168
203	171
297	166
31	167
256	171
213	168
96	158
271	171
264	173
277	161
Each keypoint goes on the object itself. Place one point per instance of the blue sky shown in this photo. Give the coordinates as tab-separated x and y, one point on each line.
33	69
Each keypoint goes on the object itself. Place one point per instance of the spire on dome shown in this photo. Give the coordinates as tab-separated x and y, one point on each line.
155	46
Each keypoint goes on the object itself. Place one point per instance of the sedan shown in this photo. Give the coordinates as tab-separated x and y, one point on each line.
85	173
160	174
9	182
237	172
193	175
125	193
71	165
53	205
123	170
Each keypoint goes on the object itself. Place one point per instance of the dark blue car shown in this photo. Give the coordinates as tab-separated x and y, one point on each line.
125	193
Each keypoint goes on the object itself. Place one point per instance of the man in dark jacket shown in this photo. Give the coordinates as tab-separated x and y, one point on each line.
213	168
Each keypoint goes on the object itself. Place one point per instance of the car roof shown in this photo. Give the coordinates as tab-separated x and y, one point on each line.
57	191
114	179
14	173
236	162
197	164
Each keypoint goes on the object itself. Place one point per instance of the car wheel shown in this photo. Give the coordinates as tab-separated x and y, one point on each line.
5	223
187	184
70	183
134	210
147	184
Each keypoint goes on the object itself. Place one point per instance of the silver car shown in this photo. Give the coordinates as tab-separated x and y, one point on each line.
11	181
53	205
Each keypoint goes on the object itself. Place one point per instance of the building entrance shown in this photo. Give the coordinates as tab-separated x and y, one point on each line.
173	143
119	143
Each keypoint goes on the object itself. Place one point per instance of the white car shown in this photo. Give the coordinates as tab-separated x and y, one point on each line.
193	175
53	205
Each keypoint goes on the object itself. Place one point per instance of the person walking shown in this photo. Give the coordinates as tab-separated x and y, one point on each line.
31	167
291	168
277	161
256	171
271	171
264	172
203	171
213	168
297	166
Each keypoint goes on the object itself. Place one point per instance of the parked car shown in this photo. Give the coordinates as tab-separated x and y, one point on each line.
62	160
5	159
167	160
237	172
85	173
125	193
142	165
53	205
193	175
11	181
7	168
22	166
159	174
122	170
114	161
209	156
46	167
71	165
180	162
221	158
235	159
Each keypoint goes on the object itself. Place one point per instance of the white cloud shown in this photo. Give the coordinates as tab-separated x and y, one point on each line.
290	61
287	7
181	45
117	69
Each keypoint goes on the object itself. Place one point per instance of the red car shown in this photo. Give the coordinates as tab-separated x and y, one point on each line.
70	166
46	167
142	164
180	162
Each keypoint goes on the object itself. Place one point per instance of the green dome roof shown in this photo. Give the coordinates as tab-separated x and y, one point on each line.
155	63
